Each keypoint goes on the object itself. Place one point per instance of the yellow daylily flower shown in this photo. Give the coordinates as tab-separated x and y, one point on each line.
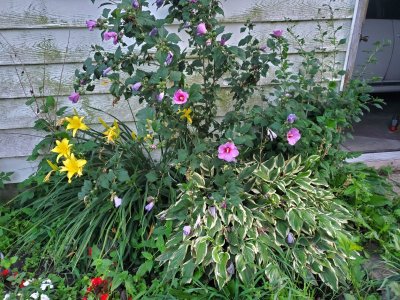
73	166
112	133
134	136
63	148
148	137
75	123
186	115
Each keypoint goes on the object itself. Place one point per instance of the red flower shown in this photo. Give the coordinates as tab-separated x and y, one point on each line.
97	281
89	289
21	285
84	298
104	297
5	272
90	251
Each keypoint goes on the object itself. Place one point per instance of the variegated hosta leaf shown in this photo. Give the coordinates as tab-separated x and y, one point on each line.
285	222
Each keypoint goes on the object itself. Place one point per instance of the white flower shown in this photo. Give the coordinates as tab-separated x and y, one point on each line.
46	284
42	296
272	135
117	201
28	282
6	296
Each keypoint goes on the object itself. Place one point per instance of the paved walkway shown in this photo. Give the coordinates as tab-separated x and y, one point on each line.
395	178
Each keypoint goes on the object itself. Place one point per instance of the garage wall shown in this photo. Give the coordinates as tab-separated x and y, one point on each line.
42	42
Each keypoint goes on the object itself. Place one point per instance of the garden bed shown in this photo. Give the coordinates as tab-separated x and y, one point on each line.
258	204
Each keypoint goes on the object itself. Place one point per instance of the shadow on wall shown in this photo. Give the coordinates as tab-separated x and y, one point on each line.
9	191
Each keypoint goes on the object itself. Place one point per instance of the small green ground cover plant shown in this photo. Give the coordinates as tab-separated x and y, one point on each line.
259	204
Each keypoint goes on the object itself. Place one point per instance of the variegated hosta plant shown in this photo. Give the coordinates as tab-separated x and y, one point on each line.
241	221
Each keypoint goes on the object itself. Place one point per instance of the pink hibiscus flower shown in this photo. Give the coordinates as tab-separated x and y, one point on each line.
228	152
111	35
277	33
181	97
293	136
201	29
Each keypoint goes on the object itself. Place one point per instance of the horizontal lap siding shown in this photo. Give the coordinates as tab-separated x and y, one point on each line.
34	36
30	46
59	13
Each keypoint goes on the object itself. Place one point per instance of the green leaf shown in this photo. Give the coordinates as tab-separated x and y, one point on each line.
263	173
122	175
173	38
160	244
201	251
119	279
152	176
328	276
274	275
221	273
144	268
175	76
178	257
245	274
215	254
199	180
246	172
147	255
305	185
249	253
50	102
294	220
61	111
241	215
103	181
187	271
